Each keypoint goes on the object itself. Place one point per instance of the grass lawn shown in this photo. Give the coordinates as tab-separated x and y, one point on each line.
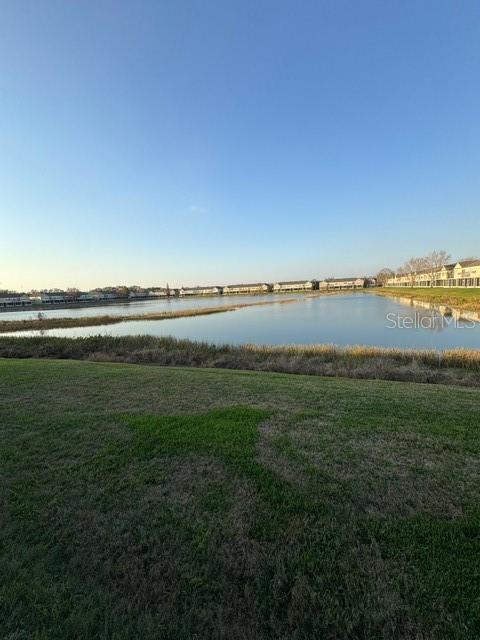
147	502
464	298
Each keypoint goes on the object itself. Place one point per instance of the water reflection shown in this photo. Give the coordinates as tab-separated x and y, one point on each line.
346	319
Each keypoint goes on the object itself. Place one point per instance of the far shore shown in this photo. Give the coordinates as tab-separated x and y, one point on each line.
80	305
127	301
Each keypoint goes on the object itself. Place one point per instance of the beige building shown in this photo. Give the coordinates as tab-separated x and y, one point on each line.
256	287
342	283
201	291
295	285
459	274
160	292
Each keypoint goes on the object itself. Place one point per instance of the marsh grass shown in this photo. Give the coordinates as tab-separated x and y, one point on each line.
455	366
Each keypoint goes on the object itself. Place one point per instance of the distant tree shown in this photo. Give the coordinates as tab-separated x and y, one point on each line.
168	290
122	291
412	267
73	293
434	262
383	275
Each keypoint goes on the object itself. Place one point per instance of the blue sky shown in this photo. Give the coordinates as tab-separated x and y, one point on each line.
216	141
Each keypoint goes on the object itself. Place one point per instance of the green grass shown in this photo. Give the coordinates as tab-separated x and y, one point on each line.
148	502
464	298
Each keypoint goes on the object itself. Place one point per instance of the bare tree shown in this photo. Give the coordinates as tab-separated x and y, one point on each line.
434	262
73	293
383	275
123	291
412	267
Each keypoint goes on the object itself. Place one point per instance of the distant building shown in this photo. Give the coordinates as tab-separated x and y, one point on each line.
138	293
104	295
59	297
342	283
12	299
458	274
256	287
160	292
49	297
201	291
295	285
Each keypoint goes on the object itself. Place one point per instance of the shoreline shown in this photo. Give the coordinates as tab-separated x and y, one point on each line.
127	301
459	367
77	305
44	324
460	305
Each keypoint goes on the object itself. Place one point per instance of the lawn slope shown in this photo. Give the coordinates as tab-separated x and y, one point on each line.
147	502
462	298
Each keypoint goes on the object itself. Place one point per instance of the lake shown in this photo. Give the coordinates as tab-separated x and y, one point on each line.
356	318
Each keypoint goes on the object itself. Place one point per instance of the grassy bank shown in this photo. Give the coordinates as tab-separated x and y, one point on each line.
147	502
42	324
463	299
457	366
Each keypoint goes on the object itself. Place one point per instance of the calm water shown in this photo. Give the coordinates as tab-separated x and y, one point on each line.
136	308
343	320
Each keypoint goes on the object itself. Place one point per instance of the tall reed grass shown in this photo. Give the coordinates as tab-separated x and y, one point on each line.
453	366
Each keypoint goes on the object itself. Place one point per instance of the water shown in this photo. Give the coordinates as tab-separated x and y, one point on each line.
344	320
138	307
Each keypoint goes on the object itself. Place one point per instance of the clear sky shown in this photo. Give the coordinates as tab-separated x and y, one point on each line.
196	142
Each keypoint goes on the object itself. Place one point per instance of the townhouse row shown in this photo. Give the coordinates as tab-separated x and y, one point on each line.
458	274
8	299
288	286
